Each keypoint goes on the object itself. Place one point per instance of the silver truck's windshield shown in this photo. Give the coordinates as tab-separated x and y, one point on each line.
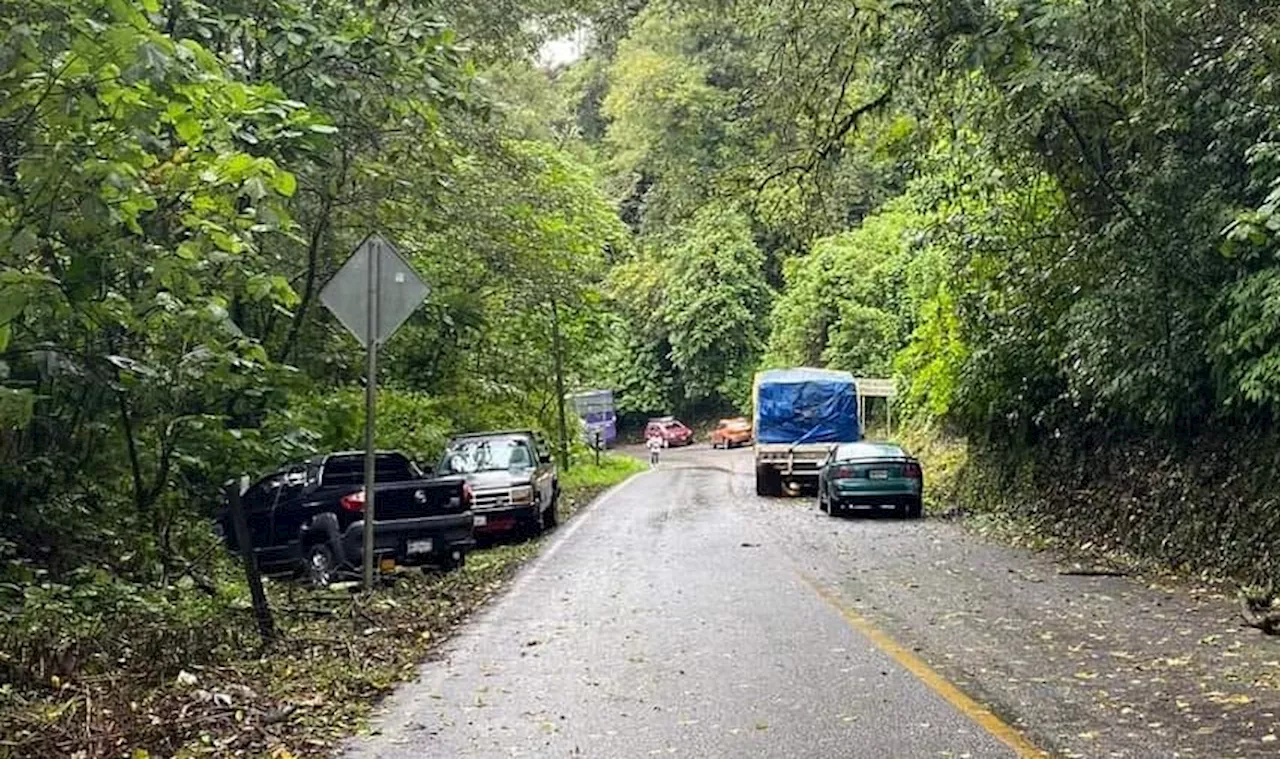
487	456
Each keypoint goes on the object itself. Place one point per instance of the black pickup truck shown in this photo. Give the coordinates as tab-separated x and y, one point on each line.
308	516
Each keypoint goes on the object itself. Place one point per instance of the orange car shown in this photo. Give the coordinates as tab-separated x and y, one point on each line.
730	433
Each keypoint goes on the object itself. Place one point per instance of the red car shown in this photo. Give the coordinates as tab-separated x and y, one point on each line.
672	431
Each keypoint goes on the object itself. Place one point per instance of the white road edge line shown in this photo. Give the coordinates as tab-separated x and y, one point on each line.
395	712
561	535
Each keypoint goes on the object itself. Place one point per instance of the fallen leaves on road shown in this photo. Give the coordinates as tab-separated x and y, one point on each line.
1234	698
1122	662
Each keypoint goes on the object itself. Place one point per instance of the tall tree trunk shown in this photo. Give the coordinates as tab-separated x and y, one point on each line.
308	290
322	226
135	464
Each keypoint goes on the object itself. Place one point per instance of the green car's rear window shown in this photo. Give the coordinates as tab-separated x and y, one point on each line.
868	451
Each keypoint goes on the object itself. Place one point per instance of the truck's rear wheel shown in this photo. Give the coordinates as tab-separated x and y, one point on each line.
449	562
768	482
319	565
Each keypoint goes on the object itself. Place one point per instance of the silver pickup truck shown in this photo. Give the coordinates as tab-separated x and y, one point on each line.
514	483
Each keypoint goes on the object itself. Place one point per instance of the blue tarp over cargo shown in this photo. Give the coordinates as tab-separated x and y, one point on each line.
806	406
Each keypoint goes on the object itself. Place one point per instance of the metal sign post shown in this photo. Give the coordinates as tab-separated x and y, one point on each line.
370	410
372	294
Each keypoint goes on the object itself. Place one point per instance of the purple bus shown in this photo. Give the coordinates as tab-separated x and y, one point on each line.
595	407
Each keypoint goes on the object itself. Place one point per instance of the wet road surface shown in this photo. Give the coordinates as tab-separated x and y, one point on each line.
683	616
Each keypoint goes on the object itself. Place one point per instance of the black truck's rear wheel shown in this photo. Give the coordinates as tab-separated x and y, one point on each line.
457	559
320	565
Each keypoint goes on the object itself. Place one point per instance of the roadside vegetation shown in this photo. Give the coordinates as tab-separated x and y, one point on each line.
159	687
1052	223
1055	224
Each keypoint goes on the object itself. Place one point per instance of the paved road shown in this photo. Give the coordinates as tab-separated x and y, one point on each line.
683	616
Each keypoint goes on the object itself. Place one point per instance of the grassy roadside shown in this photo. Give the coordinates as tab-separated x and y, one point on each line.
948	494
339	653
585	481
942	458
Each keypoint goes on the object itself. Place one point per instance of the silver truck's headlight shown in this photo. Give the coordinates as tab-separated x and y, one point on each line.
522	494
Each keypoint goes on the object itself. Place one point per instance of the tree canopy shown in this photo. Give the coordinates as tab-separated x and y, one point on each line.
1046	220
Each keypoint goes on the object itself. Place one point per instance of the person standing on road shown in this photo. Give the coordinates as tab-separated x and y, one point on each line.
654	444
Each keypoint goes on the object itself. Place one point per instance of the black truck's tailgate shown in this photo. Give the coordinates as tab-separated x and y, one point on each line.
419	498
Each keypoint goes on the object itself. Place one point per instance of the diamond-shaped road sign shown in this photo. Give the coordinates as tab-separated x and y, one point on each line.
399	290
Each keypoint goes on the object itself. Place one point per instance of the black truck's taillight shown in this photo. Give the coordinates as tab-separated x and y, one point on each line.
353	501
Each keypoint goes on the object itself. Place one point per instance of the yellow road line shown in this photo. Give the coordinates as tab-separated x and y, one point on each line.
975	711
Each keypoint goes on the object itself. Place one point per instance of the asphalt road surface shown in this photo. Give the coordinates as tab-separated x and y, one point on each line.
683	616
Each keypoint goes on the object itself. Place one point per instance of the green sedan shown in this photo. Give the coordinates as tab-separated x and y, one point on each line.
872	476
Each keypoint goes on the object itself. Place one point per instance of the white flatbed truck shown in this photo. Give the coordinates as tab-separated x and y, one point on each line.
799	416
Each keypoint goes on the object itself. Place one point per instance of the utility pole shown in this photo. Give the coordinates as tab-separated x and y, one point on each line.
558	356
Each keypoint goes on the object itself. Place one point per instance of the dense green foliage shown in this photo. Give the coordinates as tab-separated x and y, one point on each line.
695	313
1055	223
178	180
1045	215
